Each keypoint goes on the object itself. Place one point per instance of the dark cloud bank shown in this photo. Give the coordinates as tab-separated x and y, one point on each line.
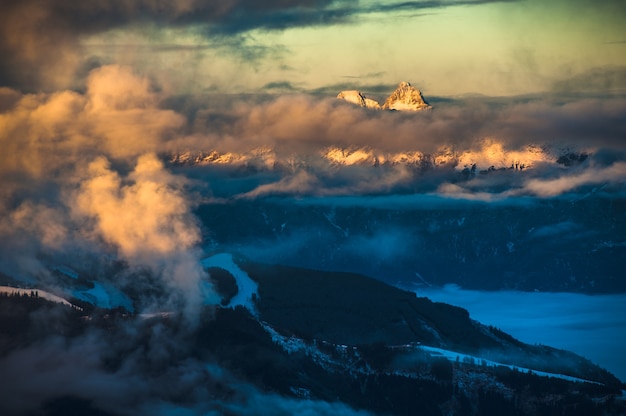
40	41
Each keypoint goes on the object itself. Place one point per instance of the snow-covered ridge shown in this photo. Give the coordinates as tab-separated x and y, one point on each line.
37	293
471	359
293	344
261	156
488	155
100	295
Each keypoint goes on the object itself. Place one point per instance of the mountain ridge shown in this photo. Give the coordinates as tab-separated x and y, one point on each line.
489	157
334	340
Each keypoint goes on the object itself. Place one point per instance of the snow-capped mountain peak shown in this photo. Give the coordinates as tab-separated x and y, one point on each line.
406	98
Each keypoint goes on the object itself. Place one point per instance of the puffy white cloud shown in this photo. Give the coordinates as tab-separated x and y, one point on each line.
60	190
118	116
148	216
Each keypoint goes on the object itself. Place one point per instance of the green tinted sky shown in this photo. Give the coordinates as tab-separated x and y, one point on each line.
502	48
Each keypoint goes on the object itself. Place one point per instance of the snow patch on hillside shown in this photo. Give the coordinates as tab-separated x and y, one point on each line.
247	288
471	359
291	344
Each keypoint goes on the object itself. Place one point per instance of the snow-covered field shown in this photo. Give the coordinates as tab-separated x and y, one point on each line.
247	288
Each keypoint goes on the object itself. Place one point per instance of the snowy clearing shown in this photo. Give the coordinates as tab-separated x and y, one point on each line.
247	288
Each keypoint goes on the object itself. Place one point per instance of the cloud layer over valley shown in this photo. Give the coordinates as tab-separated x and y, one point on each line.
92	170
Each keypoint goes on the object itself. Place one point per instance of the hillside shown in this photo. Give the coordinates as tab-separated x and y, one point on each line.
229	362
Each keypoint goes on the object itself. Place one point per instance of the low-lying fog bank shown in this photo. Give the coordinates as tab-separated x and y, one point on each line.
592	326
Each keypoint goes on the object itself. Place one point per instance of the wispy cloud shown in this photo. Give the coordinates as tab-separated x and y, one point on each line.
615	173
279	85
603	79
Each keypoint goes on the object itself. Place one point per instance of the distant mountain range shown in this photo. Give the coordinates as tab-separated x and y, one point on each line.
405	98
492	156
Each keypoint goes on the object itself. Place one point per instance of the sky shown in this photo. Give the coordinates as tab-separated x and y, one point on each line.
445	47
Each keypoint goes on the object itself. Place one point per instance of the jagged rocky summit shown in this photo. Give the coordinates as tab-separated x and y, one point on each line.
405	98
